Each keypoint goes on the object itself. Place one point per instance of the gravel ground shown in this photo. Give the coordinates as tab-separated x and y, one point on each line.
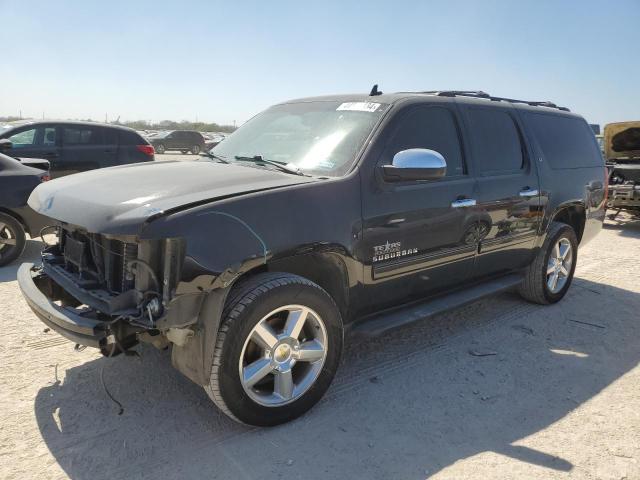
557	397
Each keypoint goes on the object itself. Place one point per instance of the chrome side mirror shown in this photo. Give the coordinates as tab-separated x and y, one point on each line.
415	164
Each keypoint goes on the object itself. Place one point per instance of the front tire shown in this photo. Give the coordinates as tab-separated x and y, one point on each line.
12	239
195	149
549	276
277	349
160	149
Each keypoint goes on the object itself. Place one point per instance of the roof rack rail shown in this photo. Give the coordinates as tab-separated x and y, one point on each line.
481	94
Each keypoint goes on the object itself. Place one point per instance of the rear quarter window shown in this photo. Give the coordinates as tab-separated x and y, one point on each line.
127	137
566	142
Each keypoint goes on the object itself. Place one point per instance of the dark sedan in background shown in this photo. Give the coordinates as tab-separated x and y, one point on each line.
73	147
17	181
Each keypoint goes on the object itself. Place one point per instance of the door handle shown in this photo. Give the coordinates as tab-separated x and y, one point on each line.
51	155
463	202
527	192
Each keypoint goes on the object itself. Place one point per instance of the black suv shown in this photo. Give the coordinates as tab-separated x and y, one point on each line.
183	140
318	215
73	147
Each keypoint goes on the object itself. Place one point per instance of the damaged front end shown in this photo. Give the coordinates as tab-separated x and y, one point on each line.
110	292
624	187
622	150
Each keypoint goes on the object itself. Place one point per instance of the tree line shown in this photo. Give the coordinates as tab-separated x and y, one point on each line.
163	125
171	125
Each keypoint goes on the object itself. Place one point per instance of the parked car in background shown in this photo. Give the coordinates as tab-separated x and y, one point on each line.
622	151
16	218
184	141
212	139
354	211
40	163
72	147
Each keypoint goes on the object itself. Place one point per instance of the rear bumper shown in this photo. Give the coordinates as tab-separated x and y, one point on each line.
64	320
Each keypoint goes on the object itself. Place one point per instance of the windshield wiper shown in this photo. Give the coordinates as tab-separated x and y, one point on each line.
214	157
279	165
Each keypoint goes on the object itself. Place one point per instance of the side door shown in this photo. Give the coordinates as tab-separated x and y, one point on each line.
83	148
414	233
184	140
111	147
172	141
41	141
507	197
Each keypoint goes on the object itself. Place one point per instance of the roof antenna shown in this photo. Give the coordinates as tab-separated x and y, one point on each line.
374	91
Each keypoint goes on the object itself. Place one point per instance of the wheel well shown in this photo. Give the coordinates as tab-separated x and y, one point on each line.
326	270
574	216
17	217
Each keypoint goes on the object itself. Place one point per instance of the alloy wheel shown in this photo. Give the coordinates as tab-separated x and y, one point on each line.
283	355
8	239
559	265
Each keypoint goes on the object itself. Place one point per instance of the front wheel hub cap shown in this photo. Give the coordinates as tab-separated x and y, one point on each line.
283	355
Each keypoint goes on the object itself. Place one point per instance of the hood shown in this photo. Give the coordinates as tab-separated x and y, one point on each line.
119	200
622	140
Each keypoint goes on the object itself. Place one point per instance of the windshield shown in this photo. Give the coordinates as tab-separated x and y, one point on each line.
320	138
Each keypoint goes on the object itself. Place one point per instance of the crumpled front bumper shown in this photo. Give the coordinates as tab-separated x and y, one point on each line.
67	321
624	196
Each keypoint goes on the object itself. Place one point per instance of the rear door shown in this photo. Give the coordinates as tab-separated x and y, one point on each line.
110	147
507	197
83	148
183	140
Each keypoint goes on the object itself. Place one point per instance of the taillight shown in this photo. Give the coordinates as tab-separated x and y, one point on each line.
146	149
45	178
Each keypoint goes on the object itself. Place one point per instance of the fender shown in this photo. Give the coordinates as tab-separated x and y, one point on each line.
563	211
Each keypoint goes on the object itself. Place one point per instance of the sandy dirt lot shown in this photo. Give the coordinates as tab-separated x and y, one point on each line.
560	398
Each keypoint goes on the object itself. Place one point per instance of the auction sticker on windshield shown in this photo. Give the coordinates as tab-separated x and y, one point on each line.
359	106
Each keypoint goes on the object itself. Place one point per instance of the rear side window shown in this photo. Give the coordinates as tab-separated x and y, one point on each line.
49	138
496	141
130	138
433	128
566	142
82	136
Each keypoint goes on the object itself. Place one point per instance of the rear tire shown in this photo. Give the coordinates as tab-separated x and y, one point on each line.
12	239
293	366
550	274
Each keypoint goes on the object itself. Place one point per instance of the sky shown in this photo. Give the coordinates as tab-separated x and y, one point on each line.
226	61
